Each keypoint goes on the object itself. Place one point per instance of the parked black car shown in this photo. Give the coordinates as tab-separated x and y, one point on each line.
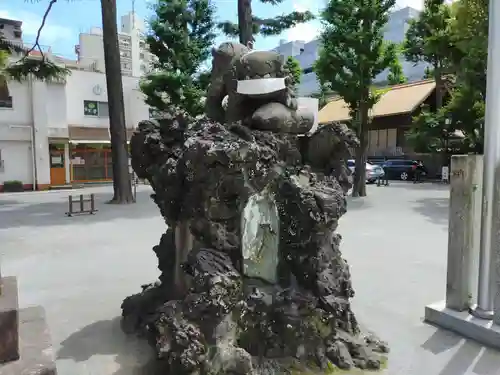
400	169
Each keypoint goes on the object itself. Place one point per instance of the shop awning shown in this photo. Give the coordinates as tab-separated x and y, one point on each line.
400	99
92	135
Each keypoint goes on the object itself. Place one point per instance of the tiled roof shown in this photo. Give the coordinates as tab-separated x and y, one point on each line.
399	99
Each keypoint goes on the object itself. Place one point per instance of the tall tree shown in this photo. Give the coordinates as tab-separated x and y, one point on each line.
250	25
396	75
181	35
295	70
119	149
428	40
353	53
469	33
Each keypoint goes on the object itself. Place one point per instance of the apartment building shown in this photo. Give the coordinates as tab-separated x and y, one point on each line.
135	58
307	52
11	29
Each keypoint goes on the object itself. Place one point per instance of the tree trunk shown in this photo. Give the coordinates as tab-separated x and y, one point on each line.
438	77
245	22
119	150
439	91
359	186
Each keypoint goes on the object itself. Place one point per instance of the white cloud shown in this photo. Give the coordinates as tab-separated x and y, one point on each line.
305	31
417	4
51	33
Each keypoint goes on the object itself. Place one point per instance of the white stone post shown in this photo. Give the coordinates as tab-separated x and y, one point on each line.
465	198
67	163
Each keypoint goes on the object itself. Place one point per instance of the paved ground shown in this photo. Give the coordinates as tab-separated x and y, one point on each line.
80	269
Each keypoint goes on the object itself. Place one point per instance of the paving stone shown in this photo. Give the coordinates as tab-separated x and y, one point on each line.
37	356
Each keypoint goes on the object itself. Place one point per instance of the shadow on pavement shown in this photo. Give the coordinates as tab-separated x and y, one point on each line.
105	337
6	202
425	185
35	214
486	361
434	209
357	203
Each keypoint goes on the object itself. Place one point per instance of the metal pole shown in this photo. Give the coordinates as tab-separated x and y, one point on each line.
490	225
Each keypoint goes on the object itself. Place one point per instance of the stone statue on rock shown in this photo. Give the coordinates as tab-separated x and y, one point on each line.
252	278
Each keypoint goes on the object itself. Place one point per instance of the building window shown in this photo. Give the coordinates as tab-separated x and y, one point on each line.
95	108
6	103
126	54
126	66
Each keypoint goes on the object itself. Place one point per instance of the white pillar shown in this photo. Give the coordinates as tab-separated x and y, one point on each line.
463	230
490	219
67	164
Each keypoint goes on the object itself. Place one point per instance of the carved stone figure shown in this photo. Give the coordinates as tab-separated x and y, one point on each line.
257	88
252	278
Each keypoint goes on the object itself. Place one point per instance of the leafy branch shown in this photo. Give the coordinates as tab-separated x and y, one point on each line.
28	65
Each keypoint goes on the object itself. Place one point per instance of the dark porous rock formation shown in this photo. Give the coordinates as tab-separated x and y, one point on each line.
252	278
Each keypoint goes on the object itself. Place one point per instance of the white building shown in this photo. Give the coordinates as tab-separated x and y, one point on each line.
57	133
135	58
307	53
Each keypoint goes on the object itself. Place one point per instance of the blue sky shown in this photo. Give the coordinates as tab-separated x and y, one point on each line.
69	18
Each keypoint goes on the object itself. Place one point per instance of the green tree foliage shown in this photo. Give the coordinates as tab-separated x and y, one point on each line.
396	75
295	70
432	132
267	26
181	35
469	32
454	40
353	53
323	95
428	73
428	40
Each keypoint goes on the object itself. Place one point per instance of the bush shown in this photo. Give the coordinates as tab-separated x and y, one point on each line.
13	186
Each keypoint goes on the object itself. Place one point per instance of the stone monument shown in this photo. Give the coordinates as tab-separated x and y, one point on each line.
252	278
25	345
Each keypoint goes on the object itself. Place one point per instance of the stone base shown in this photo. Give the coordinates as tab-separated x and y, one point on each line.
37	356
464	324
9	320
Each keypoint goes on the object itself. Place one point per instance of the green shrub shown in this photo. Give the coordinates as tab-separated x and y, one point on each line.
13	186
